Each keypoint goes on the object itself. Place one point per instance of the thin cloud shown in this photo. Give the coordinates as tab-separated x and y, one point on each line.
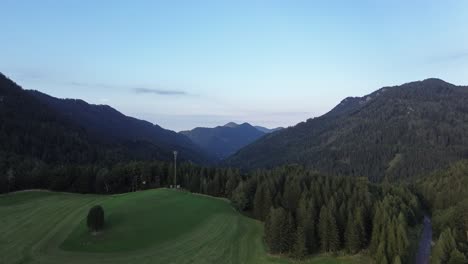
137	90
158	91
80	84
456	56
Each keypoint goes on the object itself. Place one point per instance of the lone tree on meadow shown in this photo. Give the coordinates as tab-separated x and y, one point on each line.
95	219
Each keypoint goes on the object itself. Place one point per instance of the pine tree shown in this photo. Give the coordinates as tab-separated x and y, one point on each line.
289	233
291	195
300	249
360	226
402	242
323	229
262	202
381	255
239	197
259	203
312	240
277	231
444	247
353	242
377	229
231	183
456	257
302	212
333	236
10	180
269	237
391	241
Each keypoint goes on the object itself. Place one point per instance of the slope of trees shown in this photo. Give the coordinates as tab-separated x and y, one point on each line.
311	213
37	129
395	132
446	194
105	124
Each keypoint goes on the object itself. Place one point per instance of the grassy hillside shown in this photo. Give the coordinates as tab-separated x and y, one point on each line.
157	226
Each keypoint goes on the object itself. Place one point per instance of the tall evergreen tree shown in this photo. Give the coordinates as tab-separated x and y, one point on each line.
300	249
323	229
333	236
456	257
444	247
310	228
353	243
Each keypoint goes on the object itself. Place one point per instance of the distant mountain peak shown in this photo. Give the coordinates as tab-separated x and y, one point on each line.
434	81
231	124
223	141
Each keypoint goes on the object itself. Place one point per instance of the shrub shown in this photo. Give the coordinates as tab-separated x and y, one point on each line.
95	218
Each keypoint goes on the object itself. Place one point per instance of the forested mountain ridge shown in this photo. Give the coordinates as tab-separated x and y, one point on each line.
33	130
109	125
28	128
223	141
268	130
395	132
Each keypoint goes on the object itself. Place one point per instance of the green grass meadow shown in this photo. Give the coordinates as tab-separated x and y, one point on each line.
155	226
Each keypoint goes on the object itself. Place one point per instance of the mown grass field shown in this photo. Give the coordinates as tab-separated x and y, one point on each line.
156	226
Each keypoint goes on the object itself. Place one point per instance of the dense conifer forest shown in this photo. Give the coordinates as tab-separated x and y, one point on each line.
445	193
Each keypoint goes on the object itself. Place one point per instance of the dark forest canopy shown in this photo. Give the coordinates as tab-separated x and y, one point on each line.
397	132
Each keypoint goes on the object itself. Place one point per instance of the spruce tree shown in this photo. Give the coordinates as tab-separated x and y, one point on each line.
291	195
95	219
402	242
323	229
268	231
456	257
288	236
391	241
300	249
259	203
377	229
381	256
444	247
352	237
360	226
277	231
312	240
333	236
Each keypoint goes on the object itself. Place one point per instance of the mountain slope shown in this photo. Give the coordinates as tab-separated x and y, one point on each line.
396	131
108	125
268	130
222	141
31	130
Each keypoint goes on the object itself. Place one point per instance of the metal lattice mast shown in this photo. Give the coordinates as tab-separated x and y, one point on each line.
175	169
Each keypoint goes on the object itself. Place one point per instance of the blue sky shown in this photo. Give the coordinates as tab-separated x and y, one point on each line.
182	64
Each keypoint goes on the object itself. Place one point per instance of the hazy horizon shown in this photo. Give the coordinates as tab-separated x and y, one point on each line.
206	64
